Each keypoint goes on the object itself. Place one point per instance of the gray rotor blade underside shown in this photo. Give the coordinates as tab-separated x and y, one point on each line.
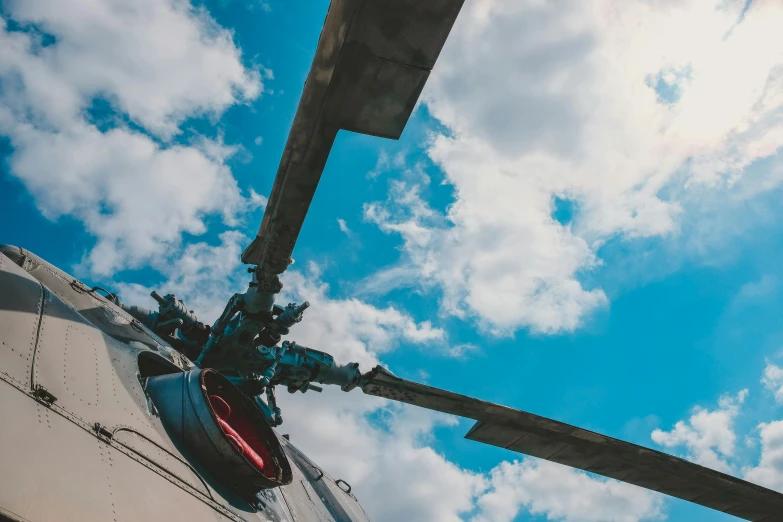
372	61
559	442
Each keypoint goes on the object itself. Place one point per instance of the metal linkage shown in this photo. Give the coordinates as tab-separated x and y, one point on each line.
250	319
297	367
234	305
292	314
243	344
291	365
172	322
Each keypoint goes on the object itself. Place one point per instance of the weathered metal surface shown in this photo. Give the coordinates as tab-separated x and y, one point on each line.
372	61
55	468
21	302
46	462
93	374
160	456
93	380
341	505
91	305
559	442
303	502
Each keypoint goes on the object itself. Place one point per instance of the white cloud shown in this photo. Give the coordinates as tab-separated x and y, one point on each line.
708	436
385	280
773	380
478	267
710	439
156	63
386	163
350	329
250	5
561	493
769	471
762	287
550	99
461	351
204	276
413	225
343	227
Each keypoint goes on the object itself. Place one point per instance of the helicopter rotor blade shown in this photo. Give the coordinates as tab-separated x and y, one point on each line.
565	444
371	64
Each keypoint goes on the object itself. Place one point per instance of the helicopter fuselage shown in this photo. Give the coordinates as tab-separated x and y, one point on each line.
81	439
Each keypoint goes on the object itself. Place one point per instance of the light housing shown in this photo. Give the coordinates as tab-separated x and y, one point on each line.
221	428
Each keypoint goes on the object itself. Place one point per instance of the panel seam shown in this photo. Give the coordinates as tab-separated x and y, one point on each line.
37	335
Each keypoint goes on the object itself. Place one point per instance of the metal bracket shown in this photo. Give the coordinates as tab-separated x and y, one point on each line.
110	296
339	481
26	263
102	432
136	326
44	396
79	287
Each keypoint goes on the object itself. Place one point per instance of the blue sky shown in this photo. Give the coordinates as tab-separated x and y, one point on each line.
581	220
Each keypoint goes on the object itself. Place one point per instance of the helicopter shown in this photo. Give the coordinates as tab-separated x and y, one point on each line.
116	412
